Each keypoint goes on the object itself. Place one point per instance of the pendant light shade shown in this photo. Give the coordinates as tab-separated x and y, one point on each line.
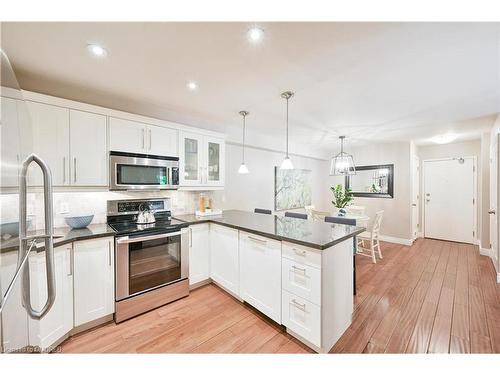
287	163
243	168
342	164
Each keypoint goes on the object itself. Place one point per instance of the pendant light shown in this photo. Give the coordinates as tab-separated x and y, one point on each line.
243	168
342	164
286	163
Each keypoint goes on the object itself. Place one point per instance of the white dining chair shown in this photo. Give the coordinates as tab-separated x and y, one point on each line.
373	236
309	210
319	215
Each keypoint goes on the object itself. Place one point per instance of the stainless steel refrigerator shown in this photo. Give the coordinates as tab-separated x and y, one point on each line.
17	240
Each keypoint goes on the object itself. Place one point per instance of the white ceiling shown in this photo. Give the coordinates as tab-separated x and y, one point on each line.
371	81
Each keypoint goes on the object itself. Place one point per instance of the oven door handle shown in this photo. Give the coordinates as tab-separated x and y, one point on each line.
127	239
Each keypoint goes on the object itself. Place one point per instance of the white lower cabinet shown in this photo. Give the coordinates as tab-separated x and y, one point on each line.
199	253
302	317
224	257
93	279
59	320
260	274
14	334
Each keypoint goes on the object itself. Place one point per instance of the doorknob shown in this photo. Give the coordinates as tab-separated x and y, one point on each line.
492	212
414	204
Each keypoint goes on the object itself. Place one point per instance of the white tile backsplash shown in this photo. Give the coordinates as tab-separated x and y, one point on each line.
94	202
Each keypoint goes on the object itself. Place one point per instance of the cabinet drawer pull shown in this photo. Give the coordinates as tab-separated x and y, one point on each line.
257	239
302	253
150	139
300	306
74	169
303	270
143	141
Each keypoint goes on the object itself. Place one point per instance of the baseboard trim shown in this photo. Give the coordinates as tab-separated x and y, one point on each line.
420	235
400	241
486	252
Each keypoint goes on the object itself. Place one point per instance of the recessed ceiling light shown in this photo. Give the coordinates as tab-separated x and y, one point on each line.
445	138
191	85
97	50
255	34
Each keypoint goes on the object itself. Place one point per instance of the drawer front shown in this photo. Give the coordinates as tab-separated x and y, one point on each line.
302	280
302	317
302	254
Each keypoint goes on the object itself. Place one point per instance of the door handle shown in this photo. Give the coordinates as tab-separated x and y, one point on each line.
109	253
414	204
48	237
492	212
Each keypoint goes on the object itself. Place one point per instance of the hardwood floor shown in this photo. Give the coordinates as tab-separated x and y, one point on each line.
432	297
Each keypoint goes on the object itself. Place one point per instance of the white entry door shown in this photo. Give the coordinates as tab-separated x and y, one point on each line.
494	196
449	201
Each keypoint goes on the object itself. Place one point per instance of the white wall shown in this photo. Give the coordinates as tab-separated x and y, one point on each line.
397	210
256	189
455	150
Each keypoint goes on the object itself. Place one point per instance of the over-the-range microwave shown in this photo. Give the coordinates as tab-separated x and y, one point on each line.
128	171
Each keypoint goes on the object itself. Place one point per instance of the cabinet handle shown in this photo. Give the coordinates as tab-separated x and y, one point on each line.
190	237
71	261
143	141
301	306
302	253
303	270
109	253
257	239
64	169
149	139
201	175
74	171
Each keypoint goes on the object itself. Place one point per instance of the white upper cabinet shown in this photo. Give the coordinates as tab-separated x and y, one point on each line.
10	146
59	320
202	160
94	296
127	136
214	161
191	159
88	129
137	137
161	141
50	142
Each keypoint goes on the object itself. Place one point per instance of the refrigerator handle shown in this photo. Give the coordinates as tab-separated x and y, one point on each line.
47	236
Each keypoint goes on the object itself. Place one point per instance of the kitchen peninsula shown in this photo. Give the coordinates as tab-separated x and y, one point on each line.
297	272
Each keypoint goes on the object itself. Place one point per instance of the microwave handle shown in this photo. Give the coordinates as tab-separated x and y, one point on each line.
127	239
170	182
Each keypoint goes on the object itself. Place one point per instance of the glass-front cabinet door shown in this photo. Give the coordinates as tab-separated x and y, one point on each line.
191	163
214	161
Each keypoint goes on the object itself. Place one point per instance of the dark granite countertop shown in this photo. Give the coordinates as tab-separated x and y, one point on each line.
318	235
62	236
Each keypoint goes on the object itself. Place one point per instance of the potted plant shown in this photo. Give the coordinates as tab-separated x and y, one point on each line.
341	198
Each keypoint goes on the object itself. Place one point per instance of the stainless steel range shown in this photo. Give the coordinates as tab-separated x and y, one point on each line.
151	252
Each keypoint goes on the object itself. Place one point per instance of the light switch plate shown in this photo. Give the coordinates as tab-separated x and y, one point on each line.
64	208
